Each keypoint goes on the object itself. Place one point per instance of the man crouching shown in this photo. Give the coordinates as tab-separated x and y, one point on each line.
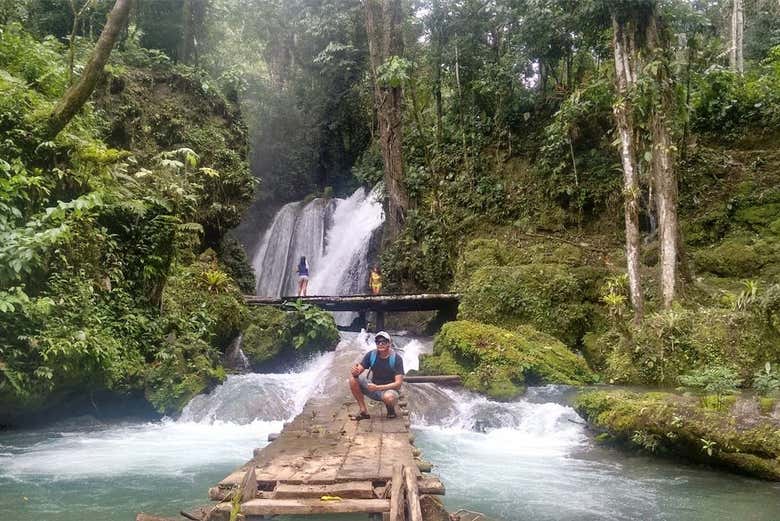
387	375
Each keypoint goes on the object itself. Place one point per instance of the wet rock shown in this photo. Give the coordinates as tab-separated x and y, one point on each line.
433	509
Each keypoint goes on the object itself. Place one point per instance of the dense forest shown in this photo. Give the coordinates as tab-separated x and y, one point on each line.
599	179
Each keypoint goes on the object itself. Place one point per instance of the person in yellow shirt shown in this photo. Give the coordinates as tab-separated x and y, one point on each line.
375	280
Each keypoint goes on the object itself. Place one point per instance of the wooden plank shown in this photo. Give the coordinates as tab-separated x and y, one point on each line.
270	507
395	451
248	488
346	490
362	460
396	494
412	495
444	379
431	485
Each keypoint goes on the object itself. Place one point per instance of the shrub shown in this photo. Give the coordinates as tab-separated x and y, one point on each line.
719	380
676	341
766	381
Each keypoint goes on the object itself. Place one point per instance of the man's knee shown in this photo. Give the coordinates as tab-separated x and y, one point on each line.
353	382
390	397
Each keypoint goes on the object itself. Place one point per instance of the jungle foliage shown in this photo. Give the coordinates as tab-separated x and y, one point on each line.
105	283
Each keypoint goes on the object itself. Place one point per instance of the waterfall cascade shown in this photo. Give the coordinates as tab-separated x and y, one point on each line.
333	234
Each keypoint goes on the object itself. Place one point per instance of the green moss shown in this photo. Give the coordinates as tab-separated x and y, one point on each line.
188	297
709	227
766	405
731	258
270	333
550	297
191	369
717	403
676	341
597	346
499	362
263	336
759	215
775	227
680	426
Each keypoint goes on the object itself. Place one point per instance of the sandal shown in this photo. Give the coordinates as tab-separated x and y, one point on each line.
361	416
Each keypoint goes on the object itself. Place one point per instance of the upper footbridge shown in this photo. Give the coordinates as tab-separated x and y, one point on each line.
445	303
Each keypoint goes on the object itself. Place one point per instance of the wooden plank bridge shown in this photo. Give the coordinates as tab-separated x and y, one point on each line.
445	303
324	462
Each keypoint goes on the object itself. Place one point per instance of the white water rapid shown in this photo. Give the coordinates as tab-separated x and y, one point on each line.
334	236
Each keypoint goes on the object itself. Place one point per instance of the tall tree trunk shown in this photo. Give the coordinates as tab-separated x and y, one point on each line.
737	29
187	32
77	94
385	42
625	77
437	43
664	175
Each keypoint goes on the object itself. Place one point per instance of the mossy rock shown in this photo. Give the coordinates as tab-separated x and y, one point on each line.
272	334
549	297
666	423
192	370
264	334
674	342
731	258
707	228
189	295
484	252
774	228
499	363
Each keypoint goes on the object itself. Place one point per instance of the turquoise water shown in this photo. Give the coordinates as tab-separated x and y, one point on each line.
548	472
490	474
526	460
112	472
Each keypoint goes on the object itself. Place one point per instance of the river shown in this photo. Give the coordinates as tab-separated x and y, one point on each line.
526	460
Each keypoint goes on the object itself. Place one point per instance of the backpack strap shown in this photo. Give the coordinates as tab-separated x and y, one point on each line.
372	359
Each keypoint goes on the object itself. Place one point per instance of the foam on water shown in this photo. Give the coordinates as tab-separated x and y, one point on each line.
161	448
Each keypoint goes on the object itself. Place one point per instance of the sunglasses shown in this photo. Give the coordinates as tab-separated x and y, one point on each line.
381	341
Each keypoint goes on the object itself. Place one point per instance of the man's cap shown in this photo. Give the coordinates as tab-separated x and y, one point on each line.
382	334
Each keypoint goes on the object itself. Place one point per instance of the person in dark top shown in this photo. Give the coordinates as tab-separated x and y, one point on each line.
386	379
303	276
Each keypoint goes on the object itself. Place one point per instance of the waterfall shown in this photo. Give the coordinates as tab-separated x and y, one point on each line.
333	234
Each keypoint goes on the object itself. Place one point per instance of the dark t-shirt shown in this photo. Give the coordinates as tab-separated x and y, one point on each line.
382	373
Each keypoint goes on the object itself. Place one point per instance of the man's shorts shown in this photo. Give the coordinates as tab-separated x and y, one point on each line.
374	395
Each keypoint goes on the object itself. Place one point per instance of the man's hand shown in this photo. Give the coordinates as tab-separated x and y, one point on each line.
356	370
372	387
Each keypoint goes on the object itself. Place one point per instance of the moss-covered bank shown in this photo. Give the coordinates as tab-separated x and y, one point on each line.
673	342
499	362
666	423
545	285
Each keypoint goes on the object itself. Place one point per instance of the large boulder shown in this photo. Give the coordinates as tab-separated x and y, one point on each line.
499	362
